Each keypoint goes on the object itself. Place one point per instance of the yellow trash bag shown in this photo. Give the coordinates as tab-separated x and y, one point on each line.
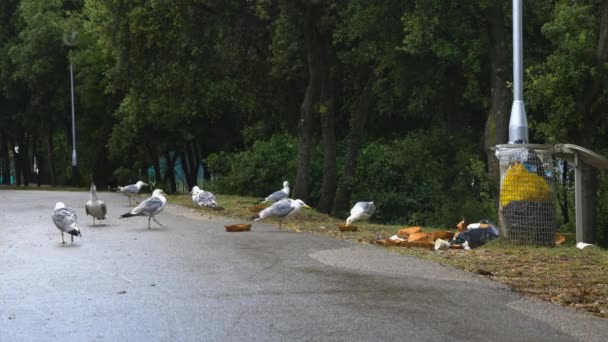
521	185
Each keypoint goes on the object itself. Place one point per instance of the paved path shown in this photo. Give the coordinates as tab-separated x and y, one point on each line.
192	281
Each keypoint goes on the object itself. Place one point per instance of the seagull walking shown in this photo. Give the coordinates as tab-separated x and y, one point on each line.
361	211
203	198
66	221
131	189
94	206
278	195
281	209
149	207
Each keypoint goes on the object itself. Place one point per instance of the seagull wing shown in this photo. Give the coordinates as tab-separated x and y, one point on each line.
206	199
65	219
131	189
279	209
104	210
150	206
276	196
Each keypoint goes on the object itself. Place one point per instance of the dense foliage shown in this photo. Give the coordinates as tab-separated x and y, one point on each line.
394	101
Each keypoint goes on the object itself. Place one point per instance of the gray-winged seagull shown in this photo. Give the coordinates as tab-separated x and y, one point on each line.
149	207
94	206
203	198
278	195
131	189
66	221
361	211
281	209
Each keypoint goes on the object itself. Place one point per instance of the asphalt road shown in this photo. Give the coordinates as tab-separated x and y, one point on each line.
193	281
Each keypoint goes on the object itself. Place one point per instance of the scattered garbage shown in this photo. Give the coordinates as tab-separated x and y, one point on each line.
347	228
241	227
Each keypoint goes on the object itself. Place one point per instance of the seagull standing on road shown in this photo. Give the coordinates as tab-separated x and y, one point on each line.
203	198
278	195
281	209
150	207
361	211
131	190
94	206
66	221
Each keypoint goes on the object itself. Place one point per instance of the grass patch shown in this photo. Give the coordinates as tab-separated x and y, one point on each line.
561	274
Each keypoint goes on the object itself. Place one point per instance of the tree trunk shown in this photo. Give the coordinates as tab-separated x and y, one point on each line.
497	125
25	159
327	111
192	162
16	161
355	139
170	173
6	166
49	155
305	125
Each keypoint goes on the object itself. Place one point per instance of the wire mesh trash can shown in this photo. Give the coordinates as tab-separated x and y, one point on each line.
526	208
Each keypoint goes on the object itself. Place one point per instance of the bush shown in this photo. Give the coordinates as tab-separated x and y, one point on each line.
429	177
258	171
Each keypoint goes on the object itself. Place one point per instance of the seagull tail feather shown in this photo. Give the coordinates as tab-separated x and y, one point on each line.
126	215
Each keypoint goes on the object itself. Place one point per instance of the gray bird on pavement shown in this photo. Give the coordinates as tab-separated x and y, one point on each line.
149	207
131	189
94	206
66	221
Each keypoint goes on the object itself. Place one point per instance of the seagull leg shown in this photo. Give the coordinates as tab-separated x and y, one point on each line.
149	217
129	201
72	237
154	218
62	239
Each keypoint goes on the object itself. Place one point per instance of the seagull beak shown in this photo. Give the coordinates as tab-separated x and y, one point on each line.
307	206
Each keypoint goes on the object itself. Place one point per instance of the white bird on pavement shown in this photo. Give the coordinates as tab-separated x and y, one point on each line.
149	207
281	209
66	221
203	198
278	195
131	189
94	206
361	211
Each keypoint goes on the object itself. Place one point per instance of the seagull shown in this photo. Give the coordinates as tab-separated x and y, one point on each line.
203	198
582	245
150	207
278	195
94	206
281	209
66	221
132	189
361	211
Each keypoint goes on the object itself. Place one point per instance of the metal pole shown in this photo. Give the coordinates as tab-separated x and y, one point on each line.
518	123
74	156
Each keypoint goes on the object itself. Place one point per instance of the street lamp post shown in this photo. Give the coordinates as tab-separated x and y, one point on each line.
70	40
518	123
75	175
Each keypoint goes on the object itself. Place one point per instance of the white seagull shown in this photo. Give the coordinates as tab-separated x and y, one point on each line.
281	209
94	206
149	207
131	189
203	198
582	245
361	211
278	195
66	221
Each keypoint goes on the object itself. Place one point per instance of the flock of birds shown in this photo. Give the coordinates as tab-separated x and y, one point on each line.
66	220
